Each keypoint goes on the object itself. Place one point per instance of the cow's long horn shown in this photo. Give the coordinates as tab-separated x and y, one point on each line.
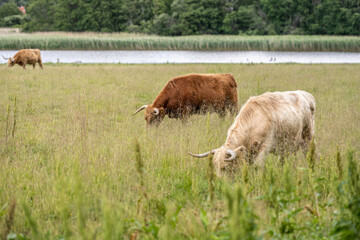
202	155
141	108
156	111
4	57
232	154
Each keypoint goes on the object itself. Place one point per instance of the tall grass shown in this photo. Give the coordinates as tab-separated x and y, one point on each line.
75	172
62	41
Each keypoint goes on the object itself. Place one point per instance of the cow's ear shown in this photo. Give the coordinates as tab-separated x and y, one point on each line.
162	111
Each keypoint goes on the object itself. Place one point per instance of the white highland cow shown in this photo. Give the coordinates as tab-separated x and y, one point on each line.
276	122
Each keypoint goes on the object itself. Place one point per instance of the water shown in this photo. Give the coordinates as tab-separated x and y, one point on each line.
151	57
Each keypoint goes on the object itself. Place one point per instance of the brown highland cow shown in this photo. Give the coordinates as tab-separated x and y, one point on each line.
25	56
192	94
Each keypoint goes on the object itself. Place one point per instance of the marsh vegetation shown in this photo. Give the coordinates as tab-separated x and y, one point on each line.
76	165
123	41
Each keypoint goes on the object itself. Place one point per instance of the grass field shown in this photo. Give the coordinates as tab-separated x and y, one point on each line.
76	165
123	41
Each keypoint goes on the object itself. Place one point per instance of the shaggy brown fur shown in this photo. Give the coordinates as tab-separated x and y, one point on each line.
26	56
192	94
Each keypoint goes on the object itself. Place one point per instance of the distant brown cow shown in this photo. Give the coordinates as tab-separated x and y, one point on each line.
278	122
25	56
191	94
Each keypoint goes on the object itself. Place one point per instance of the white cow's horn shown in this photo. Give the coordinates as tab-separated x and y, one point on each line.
156	111
202	155
232	154
4	57
141	108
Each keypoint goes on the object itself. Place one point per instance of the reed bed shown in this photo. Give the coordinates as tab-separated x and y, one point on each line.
93	41
76	165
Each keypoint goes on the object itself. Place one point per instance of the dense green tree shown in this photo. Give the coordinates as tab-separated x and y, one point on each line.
9	9
14	20
244	20
162	24
278	14
97	16
78	15
138	12
118	15
333	17
17	2
68	15
161	6
189	17
197	17
41	15
3	2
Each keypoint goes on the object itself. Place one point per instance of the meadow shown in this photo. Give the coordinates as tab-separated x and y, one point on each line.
126	41
76	165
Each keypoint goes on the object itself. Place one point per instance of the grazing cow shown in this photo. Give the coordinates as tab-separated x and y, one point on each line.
25	56
193	93
278	122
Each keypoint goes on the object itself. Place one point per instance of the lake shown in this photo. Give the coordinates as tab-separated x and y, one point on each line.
157	57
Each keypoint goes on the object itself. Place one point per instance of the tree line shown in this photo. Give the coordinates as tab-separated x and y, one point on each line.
187	17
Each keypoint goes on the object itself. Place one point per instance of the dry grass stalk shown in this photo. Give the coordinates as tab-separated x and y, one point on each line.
311	155
7	123
211	177
339	163
312	211
15	117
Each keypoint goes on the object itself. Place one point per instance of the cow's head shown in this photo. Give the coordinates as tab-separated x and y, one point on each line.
11	61
224	158
153	115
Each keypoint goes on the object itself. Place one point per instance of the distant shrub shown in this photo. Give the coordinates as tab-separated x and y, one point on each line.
12	21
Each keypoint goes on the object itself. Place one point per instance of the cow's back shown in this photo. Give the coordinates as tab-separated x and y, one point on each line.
29	54
199	88
285	109
274	117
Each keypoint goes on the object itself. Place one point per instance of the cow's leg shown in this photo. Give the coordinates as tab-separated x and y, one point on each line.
40	63
307	137
222	113
220	108
232	103
259	160
233	108
34	66
184	118
260	157
24	64
184	114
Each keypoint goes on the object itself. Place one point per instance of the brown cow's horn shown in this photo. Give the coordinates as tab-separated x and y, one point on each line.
156	111
141	108
202	155
232	154
4	57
